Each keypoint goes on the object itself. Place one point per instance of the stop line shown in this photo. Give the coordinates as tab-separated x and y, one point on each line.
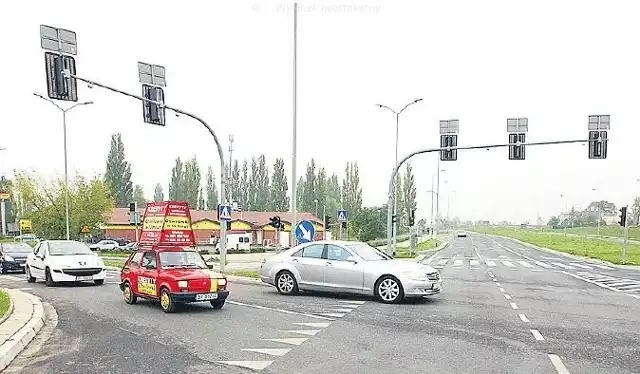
474	263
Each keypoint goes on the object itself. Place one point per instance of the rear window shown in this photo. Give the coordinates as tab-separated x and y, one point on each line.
16	248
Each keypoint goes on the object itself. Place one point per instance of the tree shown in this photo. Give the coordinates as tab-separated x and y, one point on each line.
409	192
138	196
279	201
201	202
368	223
176	185
399	201
309	191
158	193
300	187
118	174
212	189
244	186
191	181
90	201
262	188
253	185
333	200
554	222
351	191
321	190
634	211
235	183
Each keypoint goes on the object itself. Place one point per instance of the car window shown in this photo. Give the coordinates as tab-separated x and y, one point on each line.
135	261
335	253
367	252
187	259
16	248
36	250
313	251
149	259
68	248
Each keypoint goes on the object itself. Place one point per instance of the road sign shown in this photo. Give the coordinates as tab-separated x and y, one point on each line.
305	232
342	215
4	195
25	224
84	229
224	212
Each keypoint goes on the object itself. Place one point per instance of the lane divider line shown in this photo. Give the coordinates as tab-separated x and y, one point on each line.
523	318
280	310
507	296
590	281
537	335
514	305
557	363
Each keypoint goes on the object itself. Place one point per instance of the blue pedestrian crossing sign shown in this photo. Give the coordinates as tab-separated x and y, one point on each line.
224	212
305	232
342	215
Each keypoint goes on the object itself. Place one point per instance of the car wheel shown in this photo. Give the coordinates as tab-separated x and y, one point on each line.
128	295
47	277
30	278
286	283
167	304
217	304
389	290
3	270
98	282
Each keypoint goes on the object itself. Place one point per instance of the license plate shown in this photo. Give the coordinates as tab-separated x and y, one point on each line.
84	278
206	296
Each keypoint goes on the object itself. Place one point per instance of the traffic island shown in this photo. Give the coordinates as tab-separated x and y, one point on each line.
19	325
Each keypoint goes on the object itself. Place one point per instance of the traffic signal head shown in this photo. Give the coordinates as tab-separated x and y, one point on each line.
516	147
344	224
598	145
448	140
412	217
152	112
132	207
623	216
59	86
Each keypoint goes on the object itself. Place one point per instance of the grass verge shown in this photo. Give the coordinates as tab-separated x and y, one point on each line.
114	254
605	250
423	246
4	303
117	264
244	273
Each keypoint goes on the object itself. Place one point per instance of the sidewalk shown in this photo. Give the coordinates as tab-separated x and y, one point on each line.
19	326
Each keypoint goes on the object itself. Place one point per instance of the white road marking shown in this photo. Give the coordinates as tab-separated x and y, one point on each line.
490	263
292	341
581	265
502	290
339	310
507	296
474	263
617	284
543	264
508	264
602	266
304	332
442	262
255	365
494	279
551	258
560	264
335	315
525	264
557	363
514	306
351	306
630	287
537	335
523	318
279	310
490	274
269	351
358	302
636	296
457	262
313	324
590	281
498	284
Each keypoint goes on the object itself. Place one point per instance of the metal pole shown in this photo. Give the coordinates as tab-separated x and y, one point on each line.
294	156
66	172
625	240
324	214
437	197
3	209
395	191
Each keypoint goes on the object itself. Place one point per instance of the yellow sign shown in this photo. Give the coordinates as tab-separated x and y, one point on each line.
25	224
177	223
153	223
147	285
84	229
4	196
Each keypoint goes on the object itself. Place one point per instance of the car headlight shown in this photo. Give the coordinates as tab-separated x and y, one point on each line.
183	284
8	258
418	275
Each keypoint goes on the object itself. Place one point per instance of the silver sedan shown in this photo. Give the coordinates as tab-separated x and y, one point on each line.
348	267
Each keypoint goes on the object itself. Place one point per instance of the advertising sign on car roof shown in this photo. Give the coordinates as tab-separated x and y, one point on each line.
167	223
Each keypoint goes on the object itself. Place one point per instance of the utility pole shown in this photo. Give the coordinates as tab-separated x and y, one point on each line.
294	151
230	160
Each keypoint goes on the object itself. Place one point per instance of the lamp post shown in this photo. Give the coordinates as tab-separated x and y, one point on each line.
64	134
395	201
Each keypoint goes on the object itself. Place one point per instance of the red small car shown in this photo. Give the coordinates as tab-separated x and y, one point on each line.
173	275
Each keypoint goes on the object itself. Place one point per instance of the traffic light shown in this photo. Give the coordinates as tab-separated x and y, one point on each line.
228	225
598	145
153	113
132	207
623	216
448	140
327	222
516	151
394	218
412	217
428	230
276	223
344	224
59	86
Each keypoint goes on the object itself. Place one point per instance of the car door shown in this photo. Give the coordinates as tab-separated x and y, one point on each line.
37	266
310	265
148	275
132	271
340	274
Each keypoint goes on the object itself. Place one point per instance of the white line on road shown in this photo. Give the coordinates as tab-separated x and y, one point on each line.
602	266
269	351
523	318
334	315
279	310
507	296
537	335
303	332
525	264
543	264
562	265
358	302
495	280
352	306
292	341
457	262
590	281
631	287
340	310
581	266
508	264
557	363
255	365
442	262
636	296
498	284
502	290
490	263
514	306
551	258
474	263
313	324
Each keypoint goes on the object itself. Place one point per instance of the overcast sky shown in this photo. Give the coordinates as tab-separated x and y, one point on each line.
554	62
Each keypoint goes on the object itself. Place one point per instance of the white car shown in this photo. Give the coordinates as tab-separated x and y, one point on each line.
105	245
461	234
349	267
64	261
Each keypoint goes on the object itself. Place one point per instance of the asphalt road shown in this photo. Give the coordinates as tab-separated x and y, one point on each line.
505	308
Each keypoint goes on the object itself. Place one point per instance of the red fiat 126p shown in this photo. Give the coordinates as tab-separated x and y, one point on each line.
166	265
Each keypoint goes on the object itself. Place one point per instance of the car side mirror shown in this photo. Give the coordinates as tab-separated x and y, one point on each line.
352	259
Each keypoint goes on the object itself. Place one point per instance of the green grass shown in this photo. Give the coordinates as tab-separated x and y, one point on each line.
423	246
4	303
114	254
244	273
601	249
117	264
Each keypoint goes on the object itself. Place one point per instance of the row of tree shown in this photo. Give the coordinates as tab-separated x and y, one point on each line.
585	218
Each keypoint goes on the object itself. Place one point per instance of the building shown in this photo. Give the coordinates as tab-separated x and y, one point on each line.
205	225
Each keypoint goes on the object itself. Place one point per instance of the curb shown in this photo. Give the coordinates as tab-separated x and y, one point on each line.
246	280
432	252
26	331
9	311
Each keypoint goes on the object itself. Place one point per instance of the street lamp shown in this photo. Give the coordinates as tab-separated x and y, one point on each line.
395	201
64	133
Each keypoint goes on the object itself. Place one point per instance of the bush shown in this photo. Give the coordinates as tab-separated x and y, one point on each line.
257	250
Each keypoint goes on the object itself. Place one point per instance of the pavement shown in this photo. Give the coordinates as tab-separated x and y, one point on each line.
505	307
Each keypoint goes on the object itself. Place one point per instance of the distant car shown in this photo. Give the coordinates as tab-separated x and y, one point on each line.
461	234
13	256
64	261
105	245
349	267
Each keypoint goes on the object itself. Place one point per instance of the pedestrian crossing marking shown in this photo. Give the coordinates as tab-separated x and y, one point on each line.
508	263
560	264
474	263
525	264
491	263
581	266
544	265
457	263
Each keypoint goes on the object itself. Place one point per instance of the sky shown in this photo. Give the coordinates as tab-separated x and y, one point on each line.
231	63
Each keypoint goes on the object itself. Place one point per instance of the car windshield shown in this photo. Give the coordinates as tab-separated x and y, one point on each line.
16	248
68	248
367	252
182	259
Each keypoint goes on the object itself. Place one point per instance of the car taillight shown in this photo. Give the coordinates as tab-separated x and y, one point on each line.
222	283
